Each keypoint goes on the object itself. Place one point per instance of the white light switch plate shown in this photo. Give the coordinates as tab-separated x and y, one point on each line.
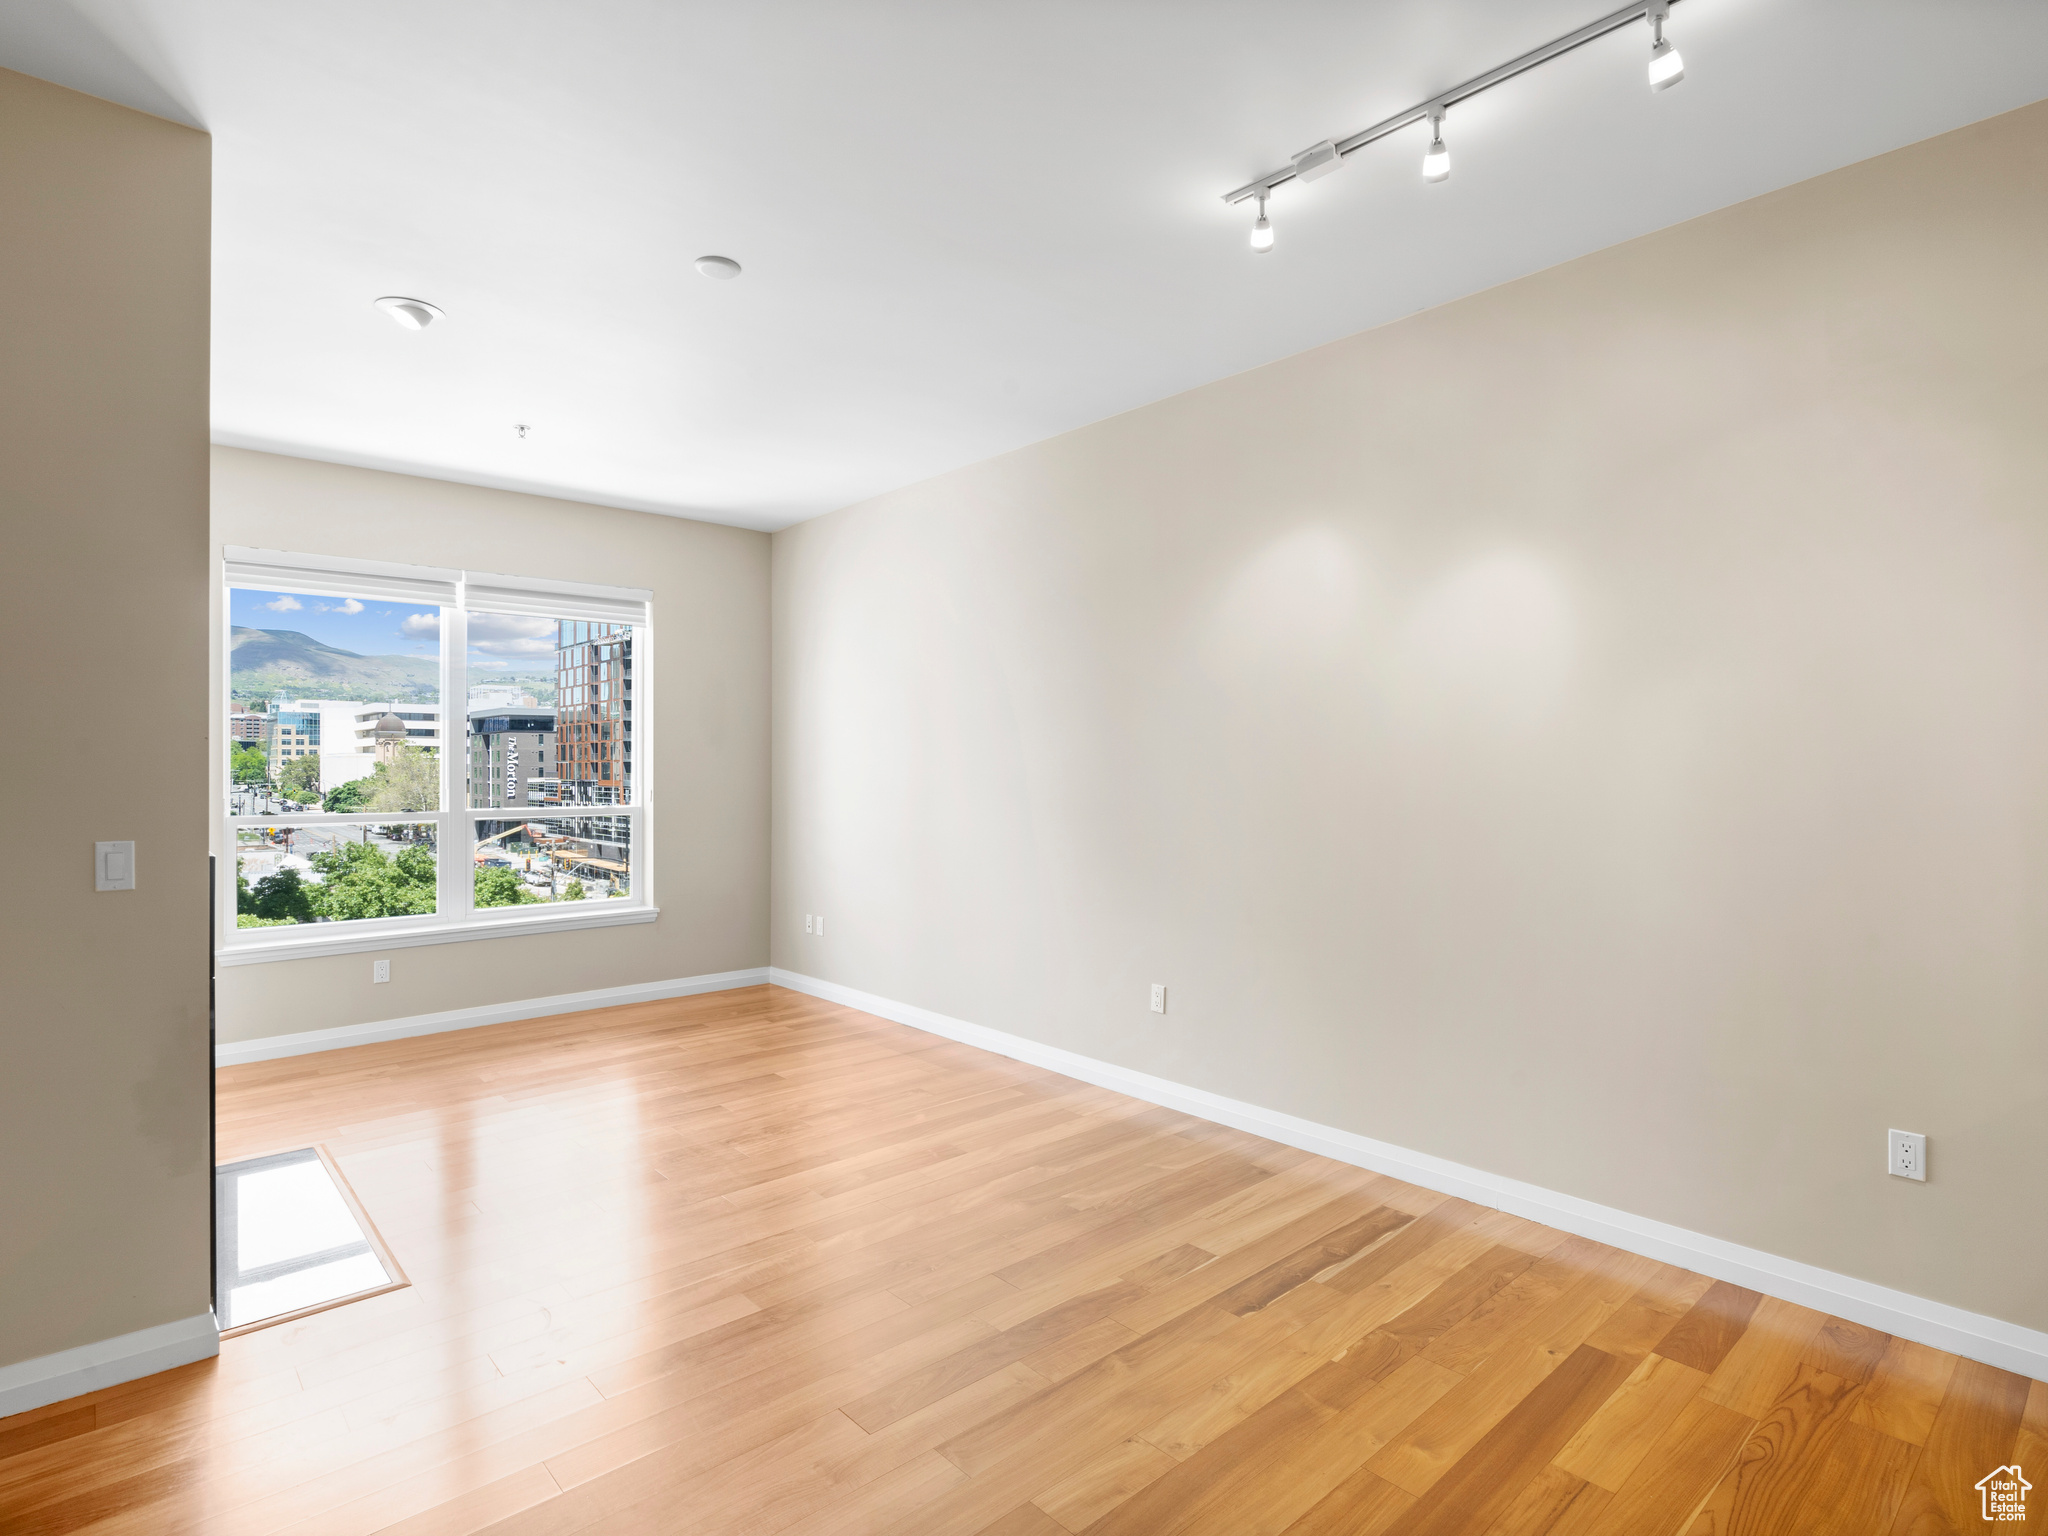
113	866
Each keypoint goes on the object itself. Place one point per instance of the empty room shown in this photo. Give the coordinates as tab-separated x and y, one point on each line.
897	769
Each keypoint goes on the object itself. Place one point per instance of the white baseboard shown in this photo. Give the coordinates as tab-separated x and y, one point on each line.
1970	1334
229	1053
73	1372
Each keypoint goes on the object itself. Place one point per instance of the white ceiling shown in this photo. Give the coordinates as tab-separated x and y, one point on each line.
965	227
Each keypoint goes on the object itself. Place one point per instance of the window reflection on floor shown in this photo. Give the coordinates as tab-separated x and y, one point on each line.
288	1240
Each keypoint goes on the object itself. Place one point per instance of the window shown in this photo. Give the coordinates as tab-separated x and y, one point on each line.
374	821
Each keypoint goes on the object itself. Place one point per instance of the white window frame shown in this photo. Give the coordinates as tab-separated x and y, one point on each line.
456	917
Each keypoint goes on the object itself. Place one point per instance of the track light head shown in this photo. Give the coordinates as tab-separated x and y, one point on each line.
1436	160
1262	228
1666	67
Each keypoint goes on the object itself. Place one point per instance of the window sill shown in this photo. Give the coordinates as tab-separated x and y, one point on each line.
358	943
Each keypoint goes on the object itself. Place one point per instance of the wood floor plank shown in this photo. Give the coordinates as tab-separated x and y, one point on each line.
1785	1453
1974	1431
1362	1505
1704	1336
1266	1473
1478	1488
754	1264
1767	1356
28	1432
1545	1500
1612	1444
1083	1496
1025	1520
1857	1487
1906	1391
1662	1496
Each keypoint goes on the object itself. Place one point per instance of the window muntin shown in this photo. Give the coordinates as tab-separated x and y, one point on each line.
519	752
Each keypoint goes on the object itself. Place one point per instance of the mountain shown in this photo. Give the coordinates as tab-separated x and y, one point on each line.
268	661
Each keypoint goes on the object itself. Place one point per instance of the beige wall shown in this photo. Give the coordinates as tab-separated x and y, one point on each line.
708	788
103	1065
1596	731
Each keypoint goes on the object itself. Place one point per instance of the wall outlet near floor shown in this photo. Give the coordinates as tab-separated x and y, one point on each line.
1159	997
1906	1155
809	923
380	970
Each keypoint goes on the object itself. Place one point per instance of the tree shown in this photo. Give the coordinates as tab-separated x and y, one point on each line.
497	886
283	897
245	902
301	778
573	891
352	796
360	880
409	781
249	764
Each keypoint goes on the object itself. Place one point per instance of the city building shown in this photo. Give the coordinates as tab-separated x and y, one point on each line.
594	734
509	751
248	726
295	732
422	726
343	733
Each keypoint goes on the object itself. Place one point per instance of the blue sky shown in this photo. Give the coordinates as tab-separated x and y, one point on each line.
363	625
369	627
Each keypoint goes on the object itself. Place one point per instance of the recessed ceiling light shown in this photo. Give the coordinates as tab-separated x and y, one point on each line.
413	314
718	266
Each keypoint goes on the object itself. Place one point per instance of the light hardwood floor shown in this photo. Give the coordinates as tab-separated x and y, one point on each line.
754	1263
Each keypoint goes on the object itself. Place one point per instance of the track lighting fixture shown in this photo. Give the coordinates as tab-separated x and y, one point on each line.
1436	160
1666	67
1666	70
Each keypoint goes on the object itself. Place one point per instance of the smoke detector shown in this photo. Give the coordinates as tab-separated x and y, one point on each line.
718	266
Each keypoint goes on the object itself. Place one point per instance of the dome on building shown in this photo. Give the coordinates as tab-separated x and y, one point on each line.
390	725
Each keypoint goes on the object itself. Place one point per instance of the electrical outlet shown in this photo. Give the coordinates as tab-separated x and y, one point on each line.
809	923
1159	997
380	970
1906	1155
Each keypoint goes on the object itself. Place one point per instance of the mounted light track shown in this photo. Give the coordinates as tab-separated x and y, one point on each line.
1666	69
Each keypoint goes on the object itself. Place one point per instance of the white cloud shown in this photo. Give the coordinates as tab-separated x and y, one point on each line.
420	624
346	605
284	602
511	635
